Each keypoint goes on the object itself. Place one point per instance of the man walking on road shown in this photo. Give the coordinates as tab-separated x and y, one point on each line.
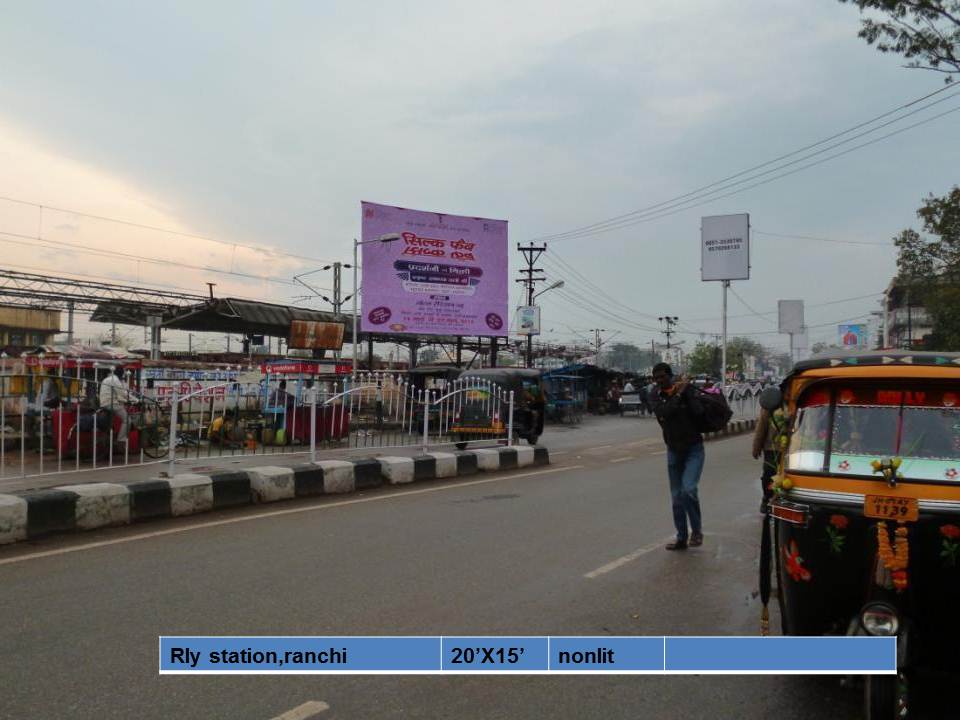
677	409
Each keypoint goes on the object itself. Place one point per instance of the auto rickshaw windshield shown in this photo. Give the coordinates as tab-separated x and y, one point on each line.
842	429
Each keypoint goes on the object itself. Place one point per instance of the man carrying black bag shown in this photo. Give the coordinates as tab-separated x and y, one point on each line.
680	412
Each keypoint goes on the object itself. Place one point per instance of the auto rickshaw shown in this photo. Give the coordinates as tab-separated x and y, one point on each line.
866	509
481	416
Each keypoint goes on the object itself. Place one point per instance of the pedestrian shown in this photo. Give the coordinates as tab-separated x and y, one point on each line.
114	396
678	409
765	441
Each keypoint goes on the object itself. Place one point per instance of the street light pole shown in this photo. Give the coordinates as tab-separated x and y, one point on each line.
388	237
533	297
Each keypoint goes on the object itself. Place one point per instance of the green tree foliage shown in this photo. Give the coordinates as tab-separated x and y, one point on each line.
926	32
629	357
704	359
930	267
739	348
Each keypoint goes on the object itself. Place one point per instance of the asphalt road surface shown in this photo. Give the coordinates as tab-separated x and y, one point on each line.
573	549
593	431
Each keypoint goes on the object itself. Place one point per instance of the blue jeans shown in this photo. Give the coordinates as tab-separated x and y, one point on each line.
684	469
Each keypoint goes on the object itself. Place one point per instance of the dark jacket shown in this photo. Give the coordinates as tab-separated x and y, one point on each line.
677	415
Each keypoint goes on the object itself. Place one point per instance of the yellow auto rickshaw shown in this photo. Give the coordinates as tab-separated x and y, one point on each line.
866	509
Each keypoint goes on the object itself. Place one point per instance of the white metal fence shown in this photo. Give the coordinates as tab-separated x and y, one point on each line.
55	423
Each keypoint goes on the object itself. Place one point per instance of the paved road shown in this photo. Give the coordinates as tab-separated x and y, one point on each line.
519	553
592	432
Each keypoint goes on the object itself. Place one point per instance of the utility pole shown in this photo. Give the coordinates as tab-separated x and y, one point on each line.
531	253
597	341
670	321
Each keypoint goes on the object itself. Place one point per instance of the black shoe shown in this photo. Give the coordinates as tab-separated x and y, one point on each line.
677	545
696	539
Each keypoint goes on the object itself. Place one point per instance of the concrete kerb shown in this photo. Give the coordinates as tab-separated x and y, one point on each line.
270	483
13	519
100	505
93	505
488	459
734	427
190	494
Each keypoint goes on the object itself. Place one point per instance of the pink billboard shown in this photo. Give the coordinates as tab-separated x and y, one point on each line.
445	275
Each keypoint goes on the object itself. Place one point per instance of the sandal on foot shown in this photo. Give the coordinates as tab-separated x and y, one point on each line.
677	545
696	539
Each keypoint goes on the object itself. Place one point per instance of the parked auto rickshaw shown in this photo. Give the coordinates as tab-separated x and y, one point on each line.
866	511
482	415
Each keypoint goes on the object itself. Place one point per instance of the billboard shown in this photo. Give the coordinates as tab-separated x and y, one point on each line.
311	335
725	247
790	314
445	275
853	336
527	320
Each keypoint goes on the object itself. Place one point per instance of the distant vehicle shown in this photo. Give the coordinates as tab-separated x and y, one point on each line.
479	418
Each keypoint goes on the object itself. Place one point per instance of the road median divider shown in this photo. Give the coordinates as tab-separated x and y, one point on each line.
37	513
734	427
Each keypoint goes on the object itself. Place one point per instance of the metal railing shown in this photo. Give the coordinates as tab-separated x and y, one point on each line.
42	435
743	399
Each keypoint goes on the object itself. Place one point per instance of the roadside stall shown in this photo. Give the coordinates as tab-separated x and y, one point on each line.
61	385
285	397
566	396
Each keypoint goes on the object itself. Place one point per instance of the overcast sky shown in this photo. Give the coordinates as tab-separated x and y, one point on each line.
265	124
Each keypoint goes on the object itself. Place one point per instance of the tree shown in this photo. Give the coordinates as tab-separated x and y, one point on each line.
926	32
823	347
625	356
739	348
930	268
704	359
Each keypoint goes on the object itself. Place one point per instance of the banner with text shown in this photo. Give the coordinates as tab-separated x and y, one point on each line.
725	247
445	275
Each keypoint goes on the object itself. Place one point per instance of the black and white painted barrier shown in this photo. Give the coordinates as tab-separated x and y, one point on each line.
70	508
734	427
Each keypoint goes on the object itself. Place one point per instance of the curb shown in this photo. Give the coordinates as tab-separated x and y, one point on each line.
734	427
70	508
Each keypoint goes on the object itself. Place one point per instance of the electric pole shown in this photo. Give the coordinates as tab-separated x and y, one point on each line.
597	342
670	321
531	253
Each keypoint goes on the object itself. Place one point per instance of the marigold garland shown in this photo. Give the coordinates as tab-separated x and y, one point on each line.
896	559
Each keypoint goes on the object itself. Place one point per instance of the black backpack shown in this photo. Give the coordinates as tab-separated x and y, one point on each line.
716	412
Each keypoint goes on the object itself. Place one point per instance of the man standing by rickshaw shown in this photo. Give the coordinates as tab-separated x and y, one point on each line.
114	396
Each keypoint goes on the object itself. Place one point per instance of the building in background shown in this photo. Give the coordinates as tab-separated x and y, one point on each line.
907	321
23	327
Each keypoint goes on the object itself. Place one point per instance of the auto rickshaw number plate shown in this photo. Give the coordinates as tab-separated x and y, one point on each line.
887	507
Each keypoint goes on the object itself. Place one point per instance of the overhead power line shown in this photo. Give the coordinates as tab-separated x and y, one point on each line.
168	231
819	239
747	305
702	194
32	241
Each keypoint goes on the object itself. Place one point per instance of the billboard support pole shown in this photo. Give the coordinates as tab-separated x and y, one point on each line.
723	351
353	359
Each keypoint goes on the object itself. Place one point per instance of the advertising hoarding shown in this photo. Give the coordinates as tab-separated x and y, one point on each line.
853	336
790	314
725	247
311	335
527	320
445	275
